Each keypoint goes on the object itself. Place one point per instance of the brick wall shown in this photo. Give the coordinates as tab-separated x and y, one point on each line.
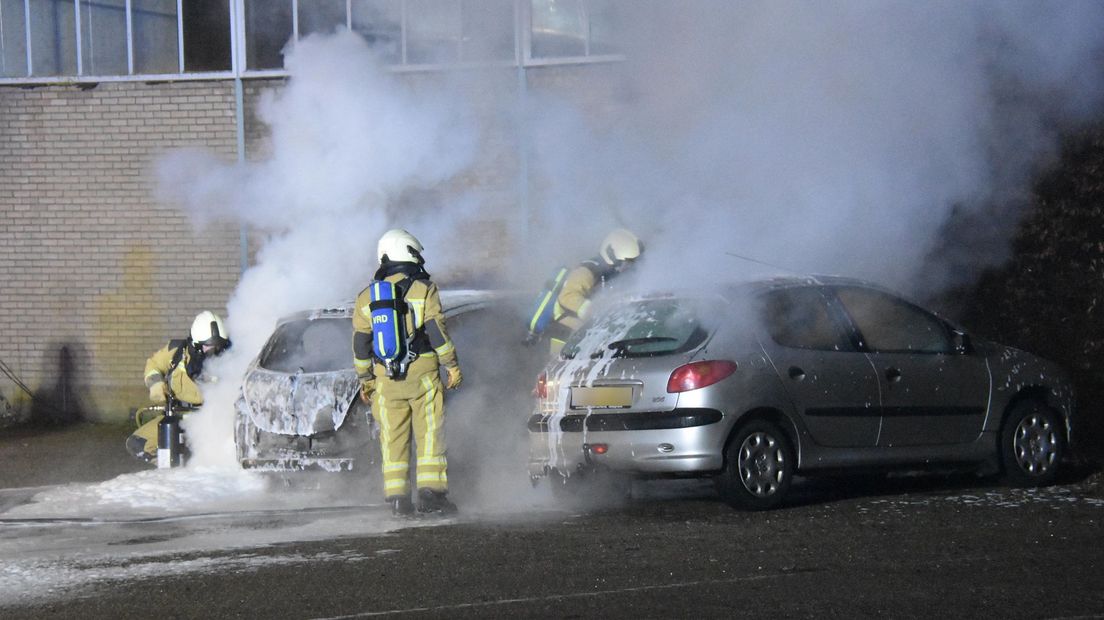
96	274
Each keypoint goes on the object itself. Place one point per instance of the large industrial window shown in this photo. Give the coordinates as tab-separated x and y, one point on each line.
156	36
572	28
13	38
487	31
106	38
103	37
432	32
322	16
46	40
380	23
269	25
205	25
53	37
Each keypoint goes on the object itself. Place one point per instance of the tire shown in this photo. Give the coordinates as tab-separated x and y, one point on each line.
1032	445
758	469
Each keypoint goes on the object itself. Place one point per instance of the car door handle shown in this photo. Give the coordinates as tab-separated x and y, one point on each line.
796	373
893	375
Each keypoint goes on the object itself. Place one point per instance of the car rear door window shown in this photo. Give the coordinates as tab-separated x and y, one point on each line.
891	325
799	318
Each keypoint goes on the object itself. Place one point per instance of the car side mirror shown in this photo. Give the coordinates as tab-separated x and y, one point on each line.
962	344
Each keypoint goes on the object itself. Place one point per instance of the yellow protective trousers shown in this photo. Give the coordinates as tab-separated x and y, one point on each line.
416	401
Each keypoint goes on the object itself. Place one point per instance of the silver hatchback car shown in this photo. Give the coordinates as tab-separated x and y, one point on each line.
788	376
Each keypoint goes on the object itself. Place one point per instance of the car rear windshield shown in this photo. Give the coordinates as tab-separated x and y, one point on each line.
647	328
319	345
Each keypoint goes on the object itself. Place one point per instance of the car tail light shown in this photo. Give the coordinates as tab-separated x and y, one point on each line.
541	389
598	448
698	375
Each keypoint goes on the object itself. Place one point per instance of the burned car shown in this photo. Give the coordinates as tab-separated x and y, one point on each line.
299	407
779	377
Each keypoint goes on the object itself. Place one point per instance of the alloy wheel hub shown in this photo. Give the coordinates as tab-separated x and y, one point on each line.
1035	445
760	464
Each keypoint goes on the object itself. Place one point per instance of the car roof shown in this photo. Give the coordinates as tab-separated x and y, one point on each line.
745	288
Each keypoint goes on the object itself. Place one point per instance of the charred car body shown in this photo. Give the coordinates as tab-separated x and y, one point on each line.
797	375
299	406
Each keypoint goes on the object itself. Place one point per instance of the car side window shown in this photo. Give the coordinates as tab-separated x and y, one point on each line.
891	325
799	318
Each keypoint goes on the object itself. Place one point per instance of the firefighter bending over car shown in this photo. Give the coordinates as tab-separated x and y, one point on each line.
618	251
399	344
174	372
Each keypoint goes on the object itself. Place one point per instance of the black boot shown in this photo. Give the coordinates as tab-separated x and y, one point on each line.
401	506
430	501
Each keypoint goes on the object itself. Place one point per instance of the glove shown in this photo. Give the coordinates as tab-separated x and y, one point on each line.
159	392
367	386
454	377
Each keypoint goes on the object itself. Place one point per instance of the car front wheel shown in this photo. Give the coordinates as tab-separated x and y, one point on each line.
1032	444
759	467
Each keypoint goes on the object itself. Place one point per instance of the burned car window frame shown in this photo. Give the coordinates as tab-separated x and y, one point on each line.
294	332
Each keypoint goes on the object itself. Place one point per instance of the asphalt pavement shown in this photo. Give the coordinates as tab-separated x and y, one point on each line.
904	546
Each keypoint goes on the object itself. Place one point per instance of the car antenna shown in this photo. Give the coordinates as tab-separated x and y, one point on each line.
753	260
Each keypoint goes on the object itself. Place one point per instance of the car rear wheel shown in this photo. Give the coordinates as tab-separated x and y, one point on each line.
1032	444
759	467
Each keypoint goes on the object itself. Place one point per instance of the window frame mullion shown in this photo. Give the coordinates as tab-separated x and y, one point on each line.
77	39
129	38
295	21
180	36
27	34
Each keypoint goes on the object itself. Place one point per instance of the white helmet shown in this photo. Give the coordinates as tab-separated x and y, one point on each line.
207	329
399	246
619	246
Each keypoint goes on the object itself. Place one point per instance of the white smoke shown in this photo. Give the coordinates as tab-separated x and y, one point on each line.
346	140
820	137
826	137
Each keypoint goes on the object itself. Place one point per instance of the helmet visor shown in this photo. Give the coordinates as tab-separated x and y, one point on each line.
215	345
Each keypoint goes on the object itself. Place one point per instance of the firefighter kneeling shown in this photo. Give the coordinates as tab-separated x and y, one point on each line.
173	374
399	344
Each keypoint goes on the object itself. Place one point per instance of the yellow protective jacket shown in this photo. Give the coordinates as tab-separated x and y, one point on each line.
425	321
573	303
183	385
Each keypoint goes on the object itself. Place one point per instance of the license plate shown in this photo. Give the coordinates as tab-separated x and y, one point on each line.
602	397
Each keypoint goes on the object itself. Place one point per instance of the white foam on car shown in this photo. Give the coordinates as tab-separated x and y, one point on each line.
594	341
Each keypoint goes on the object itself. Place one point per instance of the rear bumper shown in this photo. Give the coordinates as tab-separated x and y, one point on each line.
683	441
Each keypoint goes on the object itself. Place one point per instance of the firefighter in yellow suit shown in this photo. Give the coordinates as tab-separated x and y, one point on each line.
414	398
175	369
618	251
